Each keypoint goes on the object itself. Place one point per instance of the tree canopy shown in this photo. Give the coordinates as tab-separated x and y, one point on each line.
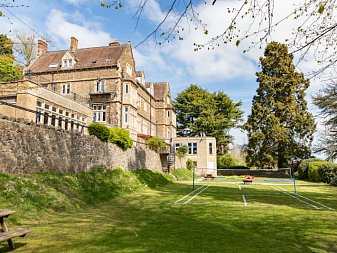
254	21
201	113
9	71
326	101
280	128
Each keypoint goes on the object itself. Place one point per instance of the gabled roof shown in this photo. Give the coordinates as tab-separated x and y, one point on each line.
160	89
84	57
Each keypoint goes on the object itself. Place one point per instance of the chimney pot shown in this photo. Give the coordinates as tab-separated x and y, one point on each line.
114	43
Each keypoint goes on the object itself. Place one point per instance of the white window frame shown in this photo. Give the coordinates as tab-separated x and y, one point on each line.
67	63
66	88
192	148
99	113
100	86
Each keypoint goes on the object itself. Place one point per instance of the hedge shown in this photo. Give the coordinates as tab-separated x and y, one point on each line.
118	136
323	171
303	167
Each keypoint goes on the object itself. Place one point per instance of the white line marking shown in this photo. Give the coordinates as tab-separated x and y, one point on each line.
190	194
240	187
313	201
244	200
285	192
195	195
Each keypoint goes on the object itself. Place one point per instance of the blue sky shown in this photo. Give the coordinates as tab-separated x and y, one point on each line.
225	68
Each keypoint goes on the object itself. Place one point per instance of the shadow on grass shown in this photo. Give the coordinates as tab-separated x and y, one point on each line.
4	245
150	222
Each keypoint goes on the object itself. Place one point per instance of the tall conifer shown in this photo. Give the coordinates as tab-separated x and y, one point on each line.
280	128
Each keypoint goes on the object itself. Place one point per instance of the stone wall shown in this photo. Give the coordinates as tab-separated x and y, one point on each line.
26	147
277	173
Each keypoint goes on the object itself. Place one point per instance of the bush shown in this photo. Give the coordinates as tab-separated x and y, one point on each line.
118	136
101	131
189	164
328	172
156	144
121	138
225	161
303	167
322	171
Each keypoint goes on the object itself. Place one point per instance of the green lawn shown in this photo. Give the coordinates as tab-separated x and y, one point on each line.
219	219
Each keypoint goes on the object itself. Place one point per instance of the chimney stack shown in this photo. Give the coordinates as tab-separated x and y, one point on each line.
73	44
42	47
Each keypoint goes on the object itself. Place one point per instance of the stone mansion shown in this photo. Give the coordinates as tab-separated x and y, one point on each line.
71	88
105	79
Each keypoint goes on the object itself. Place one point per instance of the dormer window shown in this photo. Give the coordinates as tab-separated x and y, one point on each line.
67	63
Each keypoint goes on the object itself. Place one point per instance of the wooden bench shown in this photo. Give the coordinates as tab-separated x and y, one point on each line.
8	235
209	176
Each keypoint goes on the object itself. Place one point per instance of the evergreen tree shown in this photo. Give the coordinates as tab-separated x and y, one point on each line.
8	70
279	128
326	101
201	113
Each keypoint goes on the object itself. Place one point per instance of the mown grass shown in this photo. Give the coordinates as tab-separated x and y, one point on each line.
148	220
182	174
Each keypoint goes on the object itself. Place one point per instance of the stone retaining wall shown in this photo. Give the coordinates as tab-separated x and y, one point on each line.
26	147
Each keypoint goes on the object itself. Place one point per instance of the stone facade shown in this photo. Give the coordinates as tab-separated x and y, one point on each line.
27	100
107	80
35	148
202	151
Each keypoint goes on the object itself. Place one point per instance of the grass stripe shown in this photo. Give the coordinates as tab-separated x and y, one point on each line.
285	192
179	200
196	195
313	201
244	200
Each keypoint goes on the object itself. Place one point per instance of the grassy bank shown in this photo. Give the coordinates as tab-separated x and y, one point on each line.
33	194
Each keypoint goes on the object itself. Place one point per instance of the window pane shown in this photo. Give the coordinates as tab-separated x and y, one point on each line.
195	148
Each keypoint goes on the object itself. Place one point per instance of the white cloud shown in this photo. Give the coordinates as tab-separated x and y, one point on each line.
76	2
88	34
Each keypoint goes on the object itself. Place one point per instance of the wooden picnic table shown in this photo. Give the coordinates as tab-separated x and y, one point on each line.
8	235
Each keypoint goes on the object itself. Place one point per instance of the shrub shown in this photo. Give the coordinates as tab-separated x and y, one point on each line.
303	167
120	137
322	171
156	144
225	161
328	172
101	131
189	164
